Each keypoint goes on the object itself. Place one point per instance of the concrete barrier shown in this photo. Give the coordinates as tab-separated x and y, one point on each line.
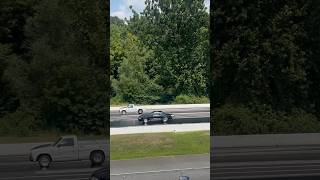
161	128
171	106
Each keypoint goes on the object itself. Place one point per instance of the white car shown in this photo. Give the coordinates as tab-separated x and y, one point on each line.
68	148
131	108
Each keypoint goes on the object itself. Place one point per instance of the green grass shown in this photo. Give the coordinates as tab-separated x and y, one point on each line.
159	144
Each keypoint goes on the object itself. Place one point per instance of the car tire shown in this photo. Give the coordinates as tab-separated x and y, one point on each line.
97	158
123	112
145	121
140	111
44	161
165	120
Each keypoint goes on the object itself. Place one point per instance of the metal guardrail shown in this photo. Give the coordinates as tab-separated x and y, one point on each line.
170	106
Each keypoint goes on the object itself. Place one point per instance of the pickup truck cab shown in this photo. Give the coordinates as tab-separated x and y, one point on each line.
131	108
68	148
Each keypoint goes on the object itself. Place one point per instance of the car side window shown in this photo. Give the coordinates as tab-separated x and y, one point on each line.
157	113
67	142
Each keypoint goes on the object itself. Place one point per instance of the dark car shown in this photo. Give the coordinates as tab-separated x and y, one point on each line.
155	116
184	178
100	174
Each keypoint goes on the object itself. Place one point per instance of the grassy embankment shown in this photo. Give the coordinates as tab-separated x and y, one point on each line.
159	144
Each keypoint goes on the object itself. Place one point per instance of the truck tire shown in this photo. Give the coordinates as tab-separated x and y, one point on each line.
123	112
97	158
140	111
44	161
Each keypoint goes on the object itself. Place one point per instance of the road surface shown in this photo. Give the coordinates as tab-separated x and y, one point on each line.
181	115
266	162
19	168
197	167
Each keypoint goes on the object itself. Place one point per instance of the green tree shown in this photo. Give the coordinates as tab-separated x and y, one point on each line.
134	84
177	32
13	16
64	83
258	57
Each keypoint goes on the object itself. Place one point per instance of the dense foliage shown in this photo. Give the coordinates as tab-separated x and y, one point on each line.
265	53
53	66
161	53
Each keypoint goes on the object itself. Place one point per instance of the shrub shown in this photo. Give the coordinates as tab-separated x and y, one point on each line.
190	99
238	119
18	124
117	100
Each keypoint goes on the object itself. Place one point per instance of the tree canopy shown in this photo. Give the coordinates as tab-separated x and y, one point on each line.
175	34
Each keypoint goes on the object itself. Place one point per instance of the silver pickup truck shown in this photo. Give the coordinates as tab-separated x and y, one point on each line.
68	148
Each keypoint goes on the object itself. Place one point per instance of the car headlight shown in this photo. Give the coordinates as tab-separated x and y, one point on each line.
94	178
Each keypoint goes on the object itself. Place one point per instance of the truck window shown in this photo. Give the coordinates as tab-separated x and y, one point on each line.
67	142
130	106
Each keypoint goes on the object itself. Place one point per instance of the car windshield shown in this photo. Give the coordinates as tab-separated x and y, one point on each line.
54	144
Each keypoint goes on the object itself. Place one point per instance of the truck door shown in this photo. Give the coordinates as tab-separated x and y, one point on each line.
131	108
65	150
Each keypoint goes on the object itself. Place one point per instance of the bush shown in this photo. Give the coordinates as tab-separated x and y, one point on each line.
240	120
117	100
190	99
17	124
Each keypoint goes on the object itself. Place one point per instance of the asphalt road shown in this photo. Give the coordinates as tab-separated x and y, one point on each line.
279	162
19	168
183	115
196	167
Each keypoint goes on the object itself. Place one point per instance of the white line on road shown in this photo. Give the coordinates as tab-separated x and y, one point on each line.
66	171
160	171
264	167
284	176
267	171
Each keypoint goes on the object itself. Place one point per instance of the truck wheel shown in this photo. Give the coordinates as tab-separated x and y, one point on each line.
140	111
123	112
44	161
97	158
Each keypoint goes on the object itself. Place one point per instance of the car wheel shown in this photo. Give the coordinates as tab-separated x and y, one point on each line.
44	161
97	158
165	120
140	111
145	121
123	112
